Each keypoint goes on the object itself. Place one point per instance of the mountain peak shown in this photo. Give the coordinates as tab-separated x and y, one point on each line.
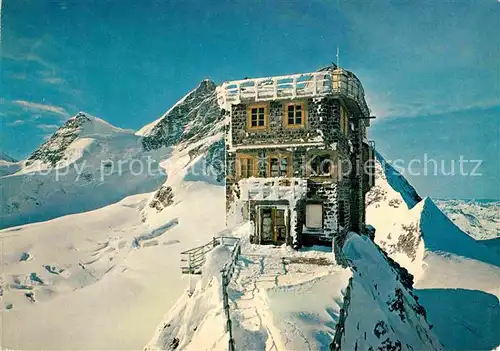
206	84
81	125
193	116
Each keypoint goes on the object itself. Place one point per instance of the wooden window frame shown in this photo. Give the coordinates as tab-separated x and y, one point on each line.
266	117
239	159
279	155
303	105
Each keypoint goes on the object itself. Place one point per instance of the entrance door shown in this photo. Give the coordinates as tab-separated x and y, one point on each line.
279	226
267	226
273	225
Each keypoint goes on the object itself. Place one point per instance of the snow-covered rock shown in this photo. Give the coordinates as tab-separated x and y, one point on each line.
380	311
195	124
192	116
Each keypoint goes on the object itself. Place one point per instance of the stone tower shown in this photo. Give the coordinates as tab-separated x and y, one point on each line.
298	161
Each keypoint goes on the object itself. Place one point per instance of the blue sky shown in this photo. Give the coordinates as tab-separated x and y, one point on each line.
430	68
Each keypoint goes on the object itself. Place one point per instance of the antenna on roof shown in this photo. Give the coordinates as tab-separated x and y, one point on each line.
338	57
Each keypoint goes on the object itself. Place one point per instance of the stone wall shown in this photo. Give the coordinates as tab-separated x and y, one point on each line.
322	124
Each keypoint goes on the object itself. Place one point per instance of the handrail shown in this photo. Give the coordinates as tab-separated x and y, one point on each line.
227	273
196	256
311	84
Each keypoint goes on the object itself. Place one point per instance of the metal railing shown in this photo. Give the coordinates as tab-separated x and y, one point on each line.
195	258
339	81
227	273
278	188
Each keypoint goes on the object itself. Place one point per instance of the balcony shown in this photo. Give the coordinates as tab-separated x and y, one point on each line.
315	84
272	188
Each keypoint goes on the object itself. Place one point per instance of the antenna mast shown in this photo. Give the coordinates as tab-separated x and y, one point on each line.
338	57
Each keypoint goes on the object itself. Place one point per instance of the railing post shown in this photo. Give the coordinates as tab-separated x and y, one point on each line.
294	87
256	86
275	86
315	83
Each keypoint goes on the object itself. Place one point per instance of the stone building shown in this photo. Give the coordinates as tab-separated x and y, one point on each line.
296	156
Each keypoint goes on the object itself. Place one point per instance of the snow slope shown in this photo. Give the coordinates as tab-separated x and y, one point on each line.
103	279
279	299
85	165
417	235
479	219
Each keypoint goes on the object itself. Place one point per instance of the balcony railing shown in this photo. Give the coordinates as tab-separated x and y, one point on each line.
337	82
271	188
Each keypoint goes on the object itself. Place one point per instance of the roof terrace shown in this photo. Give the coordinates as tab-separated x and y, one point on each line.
337	82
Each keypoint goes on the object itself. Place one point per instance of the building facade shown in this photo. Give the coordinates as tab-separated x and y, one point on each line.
297	156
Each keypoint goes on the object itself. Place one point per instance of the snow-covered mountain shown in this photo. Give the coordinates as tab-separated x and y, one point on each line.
86	164
195	126
112	272
193	115
479	219
196	114
8	165
456	277
4	157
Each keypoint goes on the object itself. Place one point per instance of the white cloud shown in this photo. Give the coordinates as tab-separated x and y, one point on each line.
54	80
47	127
17	122
34	106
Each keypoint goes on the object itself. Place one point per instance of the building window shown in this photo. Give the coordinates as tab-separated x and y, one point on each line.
257	117
314	216
344	120
246	166
321	165
279	166
295	115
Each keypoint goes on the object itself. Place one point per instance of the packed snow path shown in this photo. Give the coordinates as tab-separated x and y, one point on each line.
283	300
